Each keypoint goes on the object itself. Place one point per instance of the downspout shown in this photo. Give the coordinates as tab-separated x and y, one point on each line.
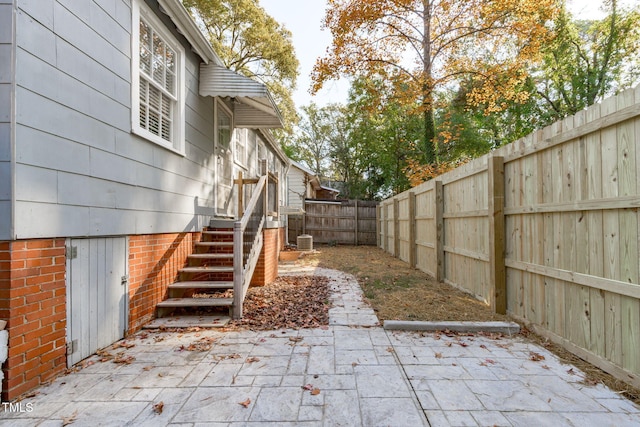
12	124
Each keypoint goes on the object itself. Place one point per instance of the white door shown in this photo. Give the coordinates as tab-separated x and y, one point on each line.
96	295
224	159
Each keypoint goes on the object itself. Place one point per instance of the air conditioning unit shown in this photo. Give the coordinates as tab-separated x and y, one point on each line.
305	242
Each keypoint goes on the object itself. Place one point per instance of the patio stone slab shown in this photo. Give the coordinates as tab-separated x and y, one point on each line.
363	374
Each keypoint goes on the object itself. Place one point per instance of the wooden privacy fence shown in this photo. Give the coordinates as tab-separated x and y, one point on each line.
348	222
545	228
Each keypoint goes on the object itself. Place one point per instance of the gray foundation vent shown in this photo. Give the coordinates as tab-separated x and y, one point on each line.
305	242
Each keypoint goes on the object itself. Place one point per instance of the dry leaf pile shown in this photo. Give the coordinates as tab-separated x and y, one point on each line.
294	302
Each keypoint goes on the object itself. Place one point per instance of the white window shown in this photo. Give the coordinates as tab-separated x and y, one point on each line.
157	81
241	146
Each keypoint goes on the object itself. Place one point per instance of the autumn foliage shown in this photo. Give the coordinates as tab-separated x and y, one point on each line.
424	47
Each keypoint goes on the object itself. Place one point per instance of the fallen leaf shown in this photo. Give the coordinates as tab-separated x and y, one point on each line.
490	361
123	359
157	408
307	387
296	339
203	344
123	344
536	357
438	355
545	367
70	419
246	403
571	371
252	359
315	391
390	349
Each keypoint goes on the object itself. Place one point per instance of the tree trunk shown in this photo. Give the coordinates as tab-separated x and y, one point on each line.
430	149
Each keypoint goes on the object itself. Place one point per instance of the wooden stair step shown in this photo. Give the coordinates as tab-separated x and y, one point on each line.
211	256
195	302
218	233
206	270
201	285
214	244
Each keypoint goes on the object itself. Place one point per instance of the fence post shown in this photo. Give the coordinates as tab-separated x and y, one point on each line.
439	211
385	227
496	234
412	230
356	236
378	225
396	227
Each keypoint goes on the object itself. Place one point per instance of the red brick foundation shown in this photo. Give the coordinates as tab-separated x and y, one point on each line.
33	301
154	261
33	296
267	268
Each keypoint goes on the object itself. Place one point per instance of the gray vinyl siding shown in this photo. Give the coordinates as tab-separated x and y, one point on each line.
6	147
79	169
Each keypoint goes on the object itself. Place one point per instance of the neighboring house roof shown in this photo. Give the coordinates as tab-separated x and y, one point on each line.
332	190
256	108
313	178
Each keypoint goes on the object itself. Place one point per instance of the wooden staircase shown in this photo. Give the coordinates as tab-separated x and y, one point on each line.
205	285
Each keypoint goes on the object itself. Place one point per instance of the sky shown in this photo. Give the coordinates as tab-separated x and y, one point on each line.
304	19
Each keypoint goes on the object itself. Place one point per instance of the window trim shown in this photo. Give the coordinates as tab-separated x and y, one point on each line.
219	104
241	139
141	10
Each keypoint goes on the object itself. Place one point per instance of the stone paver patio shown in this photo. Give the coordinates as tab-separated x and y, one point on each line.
352	373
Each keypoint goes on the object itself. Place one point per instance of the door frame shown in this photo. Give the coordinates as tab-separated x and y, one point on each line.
228	208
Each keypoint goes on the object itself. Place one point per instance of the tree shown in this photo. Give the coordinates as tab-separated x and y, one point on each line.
422	46
584	62
315	136
589	60
251	42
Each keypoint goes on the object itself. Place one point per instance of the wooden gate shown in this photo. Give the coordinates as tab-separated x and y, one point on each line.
96	295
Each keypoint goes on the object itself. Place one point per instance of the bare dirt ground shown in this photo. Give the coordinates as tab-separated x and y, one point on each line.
399	292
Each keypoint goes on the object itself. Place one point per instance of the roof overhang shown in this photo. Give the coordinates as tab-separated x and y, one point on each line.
188	28
253	107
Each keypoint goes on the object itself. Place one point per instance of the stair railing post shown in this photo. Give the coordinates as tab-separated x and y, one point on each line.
238	270
240	183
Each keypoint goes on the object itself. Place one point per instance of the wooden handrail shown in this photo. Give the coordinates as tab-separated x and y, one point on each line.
253	201
242	273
